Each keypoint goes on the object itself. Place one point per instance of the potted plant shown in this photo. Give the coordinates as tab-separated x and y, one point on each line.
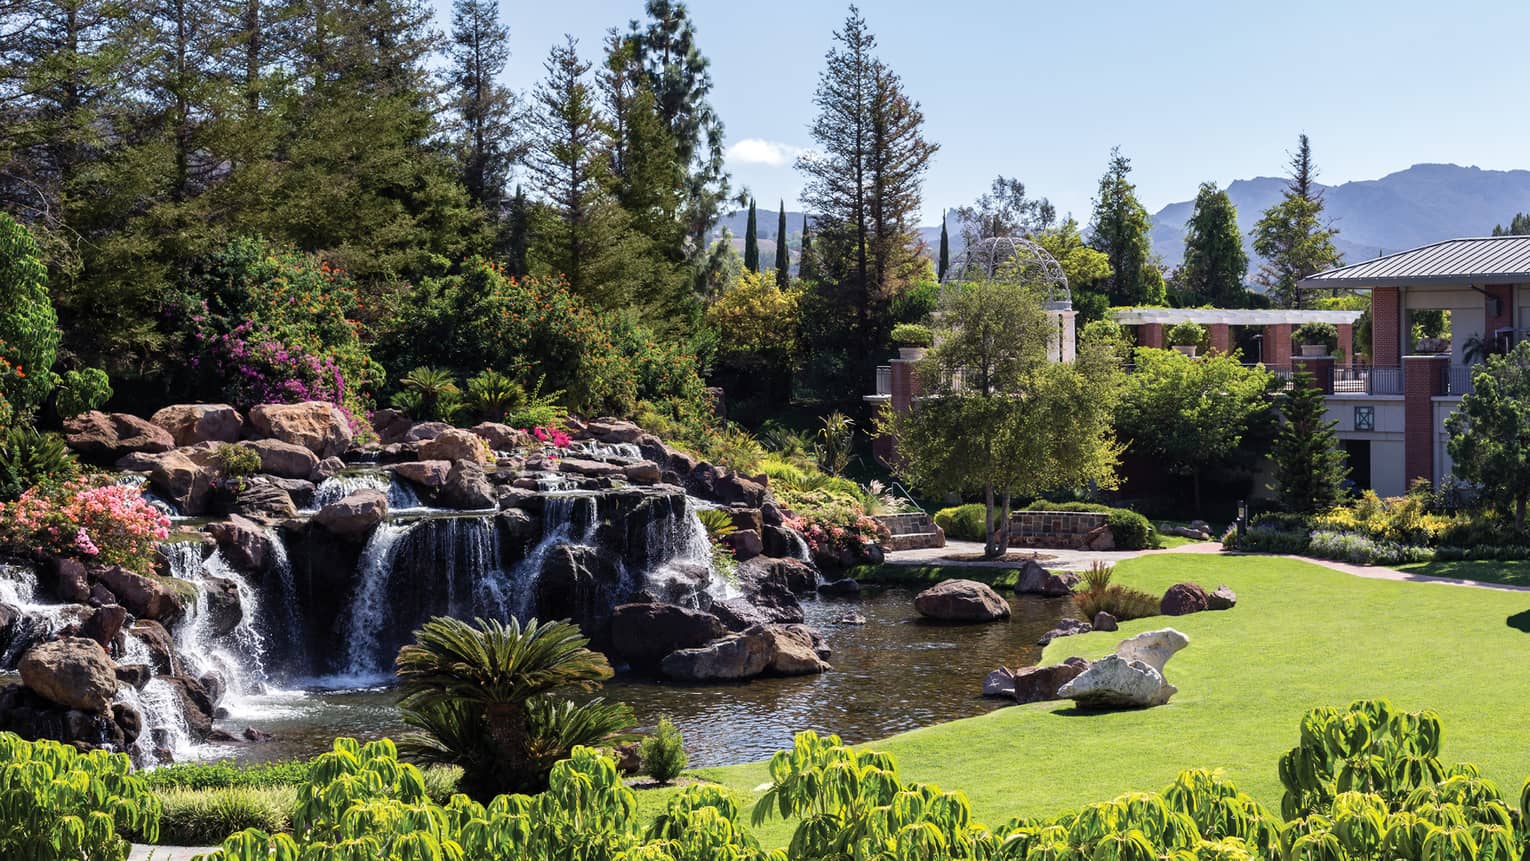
1187	337
912	340
1317	339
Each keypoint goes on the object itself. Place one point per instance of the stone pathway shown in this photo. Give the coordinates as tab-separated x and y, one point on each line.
167	853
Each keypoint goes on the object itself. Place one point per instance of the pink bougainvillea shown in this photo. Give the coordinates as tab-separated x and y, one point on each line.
107	524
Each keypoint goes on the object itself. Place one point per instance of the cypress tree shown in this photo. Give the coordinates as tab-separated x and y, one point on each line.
751	241
783	252
1120	229
945	249
1215	262
807	266
485	133
1292	237
1310	467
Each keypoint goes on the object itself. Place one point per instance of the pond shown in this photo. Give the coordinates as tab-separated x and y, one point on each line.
893	674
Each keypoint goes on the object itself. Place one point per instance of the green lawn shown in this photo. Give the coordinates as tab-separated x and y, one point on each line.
1301	636
1515	572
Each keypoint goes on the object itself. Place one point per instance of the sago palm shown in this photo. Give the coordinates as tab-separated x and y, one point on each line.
487	681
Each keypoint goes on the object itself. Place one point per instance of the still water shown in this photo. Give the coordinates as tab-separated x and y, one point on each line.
892	674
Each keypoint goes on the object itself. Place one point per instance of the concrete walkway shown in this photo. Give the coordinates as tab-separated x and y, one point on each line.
167	853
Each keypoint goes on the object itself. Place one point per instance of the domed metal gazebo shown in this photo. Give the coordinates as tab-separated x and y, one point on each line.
1017	260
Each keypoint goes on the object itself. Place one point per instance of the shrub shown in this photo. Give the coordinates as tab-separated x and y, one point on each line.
492	395
963	522
1186	334
225	774
1131	531
429	394
106	524
1101	595
1265	538
664	752
199	817
1397	520
56	802
29	333
82	391
30	458
834	529
1326	334
1363	550
237	461
912	335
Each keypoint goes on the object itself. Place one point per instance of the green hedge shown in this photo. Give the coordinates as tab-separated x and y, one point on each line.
963	522
1131	530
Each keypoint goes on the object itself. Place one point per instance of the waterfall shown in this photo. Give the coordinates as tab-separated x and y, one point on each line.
401	496
369	606
164	724
38	621
280	581
800	549
624	450
237	657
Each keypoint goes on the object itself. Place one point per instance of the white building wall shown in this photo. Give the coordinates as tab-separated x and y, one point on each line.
1386	439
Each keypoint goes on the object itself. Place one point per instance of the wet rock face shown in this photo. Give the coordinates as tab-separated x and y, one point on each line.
146	597
243	542
467	488
643	634
582	584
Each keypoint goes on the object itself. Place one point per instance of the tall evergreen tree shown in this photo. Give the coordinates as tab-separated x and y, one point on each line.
751	241
1310	466
944	261
783	251
485	113
1215	262
1120	229
864	182
517	233
1292	237
1519	225
807	264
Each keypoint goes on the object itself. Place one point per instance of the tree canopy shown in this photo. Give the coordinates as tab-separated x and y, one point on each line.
1490	433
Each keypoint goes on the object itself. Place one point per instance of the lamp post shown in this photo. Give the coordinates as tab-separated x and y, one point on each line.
1259	348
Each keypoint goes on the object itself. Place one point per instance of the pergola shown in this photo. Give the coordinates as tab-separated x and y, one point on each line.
1277	325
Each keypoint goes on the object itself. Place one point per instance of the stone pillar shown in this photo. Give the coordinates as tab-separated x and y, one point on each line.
1219	337
1150	335
1321	369
1277	345
905	384
1386	327
1423	379
1346	344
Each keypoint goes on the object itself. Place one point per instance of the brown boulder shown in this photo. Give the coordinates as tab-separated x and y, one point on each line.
1182	599
104	438
643	472
1224	598
197	704
284	459
146	597
184	476
1036	580
738	656
189	424
1038	684
429	474
502	437
318	426
159	644
69	582
795	652
424	431
644	633
592	468
453	445
961	601
74	672
104	623
745	544
355	515
390	425
265	500
467	488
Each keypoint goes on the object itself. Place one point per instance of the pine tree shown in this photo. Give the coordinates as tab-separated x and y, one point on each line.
807	263
1292	237
944	262
783	251
1310	466
751	241
1215	262
1120	229
485	113
1519	225
517	234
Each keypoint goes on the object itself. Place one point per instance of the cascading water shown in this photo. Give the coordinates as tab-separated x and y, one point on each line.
37	620
679	549
624	450
165	736
401	497
369	607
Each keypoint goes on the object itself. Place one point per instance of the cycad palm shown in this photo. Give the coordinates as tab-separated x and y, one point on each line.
482	694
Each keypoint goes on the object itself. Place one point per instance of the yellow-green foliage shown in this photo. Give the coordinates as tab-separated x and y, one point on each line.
1402	519
59	803
197	817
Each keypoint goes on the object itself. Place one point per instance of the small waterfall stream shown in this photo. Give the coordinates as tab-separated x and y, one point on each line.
401	496
38	621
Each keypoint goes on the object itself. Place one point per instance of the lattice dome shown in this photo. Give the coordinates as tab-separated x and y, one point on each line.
1014	259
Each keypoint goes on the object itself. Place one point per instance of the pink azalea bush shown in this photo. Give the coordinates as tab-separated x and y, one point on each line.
834	529
100	524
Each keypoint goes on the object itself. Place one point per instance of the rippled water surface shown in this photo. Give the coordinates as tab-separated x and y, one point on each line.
894	673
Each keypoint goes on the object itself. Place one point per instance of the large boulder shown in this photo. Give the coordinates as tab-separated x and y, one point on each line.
74	672
146	597
67	580
1113	682
1104	621
588	468
961	601
795	652
1036	580
1032	684
1153	648
1182	599
724	486
196	703
738	656
1224	598
184	477
502	437
642	472
468	488
644	633
390	425
160	646
424	431
284	459
354	516
318	426
103	623
429	474
745	544
613	430
737	614
189	424
454	444
264	500
768	586
103	438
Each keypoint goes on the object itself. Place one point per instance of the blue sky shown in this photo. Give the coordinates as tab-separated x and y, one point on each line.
1191	91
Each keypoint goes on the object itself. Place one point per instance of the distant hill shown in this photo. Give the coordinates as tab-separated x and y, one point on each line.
1425	203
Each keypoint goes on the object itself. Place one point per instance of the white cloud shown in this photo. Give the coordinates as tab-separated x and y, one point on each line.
760	151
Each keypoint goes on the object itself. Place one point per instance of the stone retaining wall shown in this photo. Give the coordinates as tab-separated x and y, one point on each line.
911	531
1056	528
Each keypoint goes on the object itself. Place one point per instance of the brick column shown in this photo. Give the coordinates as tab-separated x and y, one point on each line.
1423	378
1347	344
905	385
1501	295
1277	345
1219	336
1150	335
1386	327
1321	369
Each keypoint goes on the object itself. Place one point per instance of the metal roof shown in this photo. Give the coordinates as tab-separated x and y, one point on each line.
1484	260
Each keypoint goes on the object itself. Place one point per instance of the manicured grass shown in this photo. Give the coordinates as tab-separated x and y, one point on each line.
1167	541
1301	636
1515	572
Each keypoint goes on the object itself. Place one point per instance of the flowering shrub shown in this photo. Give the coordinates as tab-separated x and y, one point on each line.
106	524
1399	520
836	528
551	436
1363	550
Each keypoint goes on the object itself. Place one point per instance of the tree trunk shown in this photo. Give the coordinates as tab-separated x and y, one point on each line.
991	547
1519	514
507	727
1004	526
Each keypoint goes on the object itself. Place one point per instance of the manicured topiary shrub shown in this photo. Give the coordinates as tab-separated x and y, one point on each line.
962	522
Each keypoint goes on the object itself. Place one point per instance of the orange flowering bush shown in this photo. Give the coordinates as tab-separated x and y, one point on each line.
97	523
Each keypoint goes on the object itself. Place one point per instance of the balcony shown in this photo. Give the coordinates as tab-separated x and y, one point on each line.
1367	380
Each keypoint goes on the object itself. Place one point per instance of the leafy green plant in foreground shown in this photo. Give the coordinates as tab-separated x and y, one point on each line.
57	803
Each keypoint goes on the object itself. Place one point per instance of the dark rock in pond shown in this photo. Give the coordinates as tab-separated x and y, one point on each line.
242	540
221	736
768	586
74	672
1182	599
745	544
136	675
1036	580
354	516
103	438
252	734
1103	621
796	650
850	618
467	488
146	597
843	587
104	623
161	647
737	614
1065	628
1224	598
961	601
644	633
